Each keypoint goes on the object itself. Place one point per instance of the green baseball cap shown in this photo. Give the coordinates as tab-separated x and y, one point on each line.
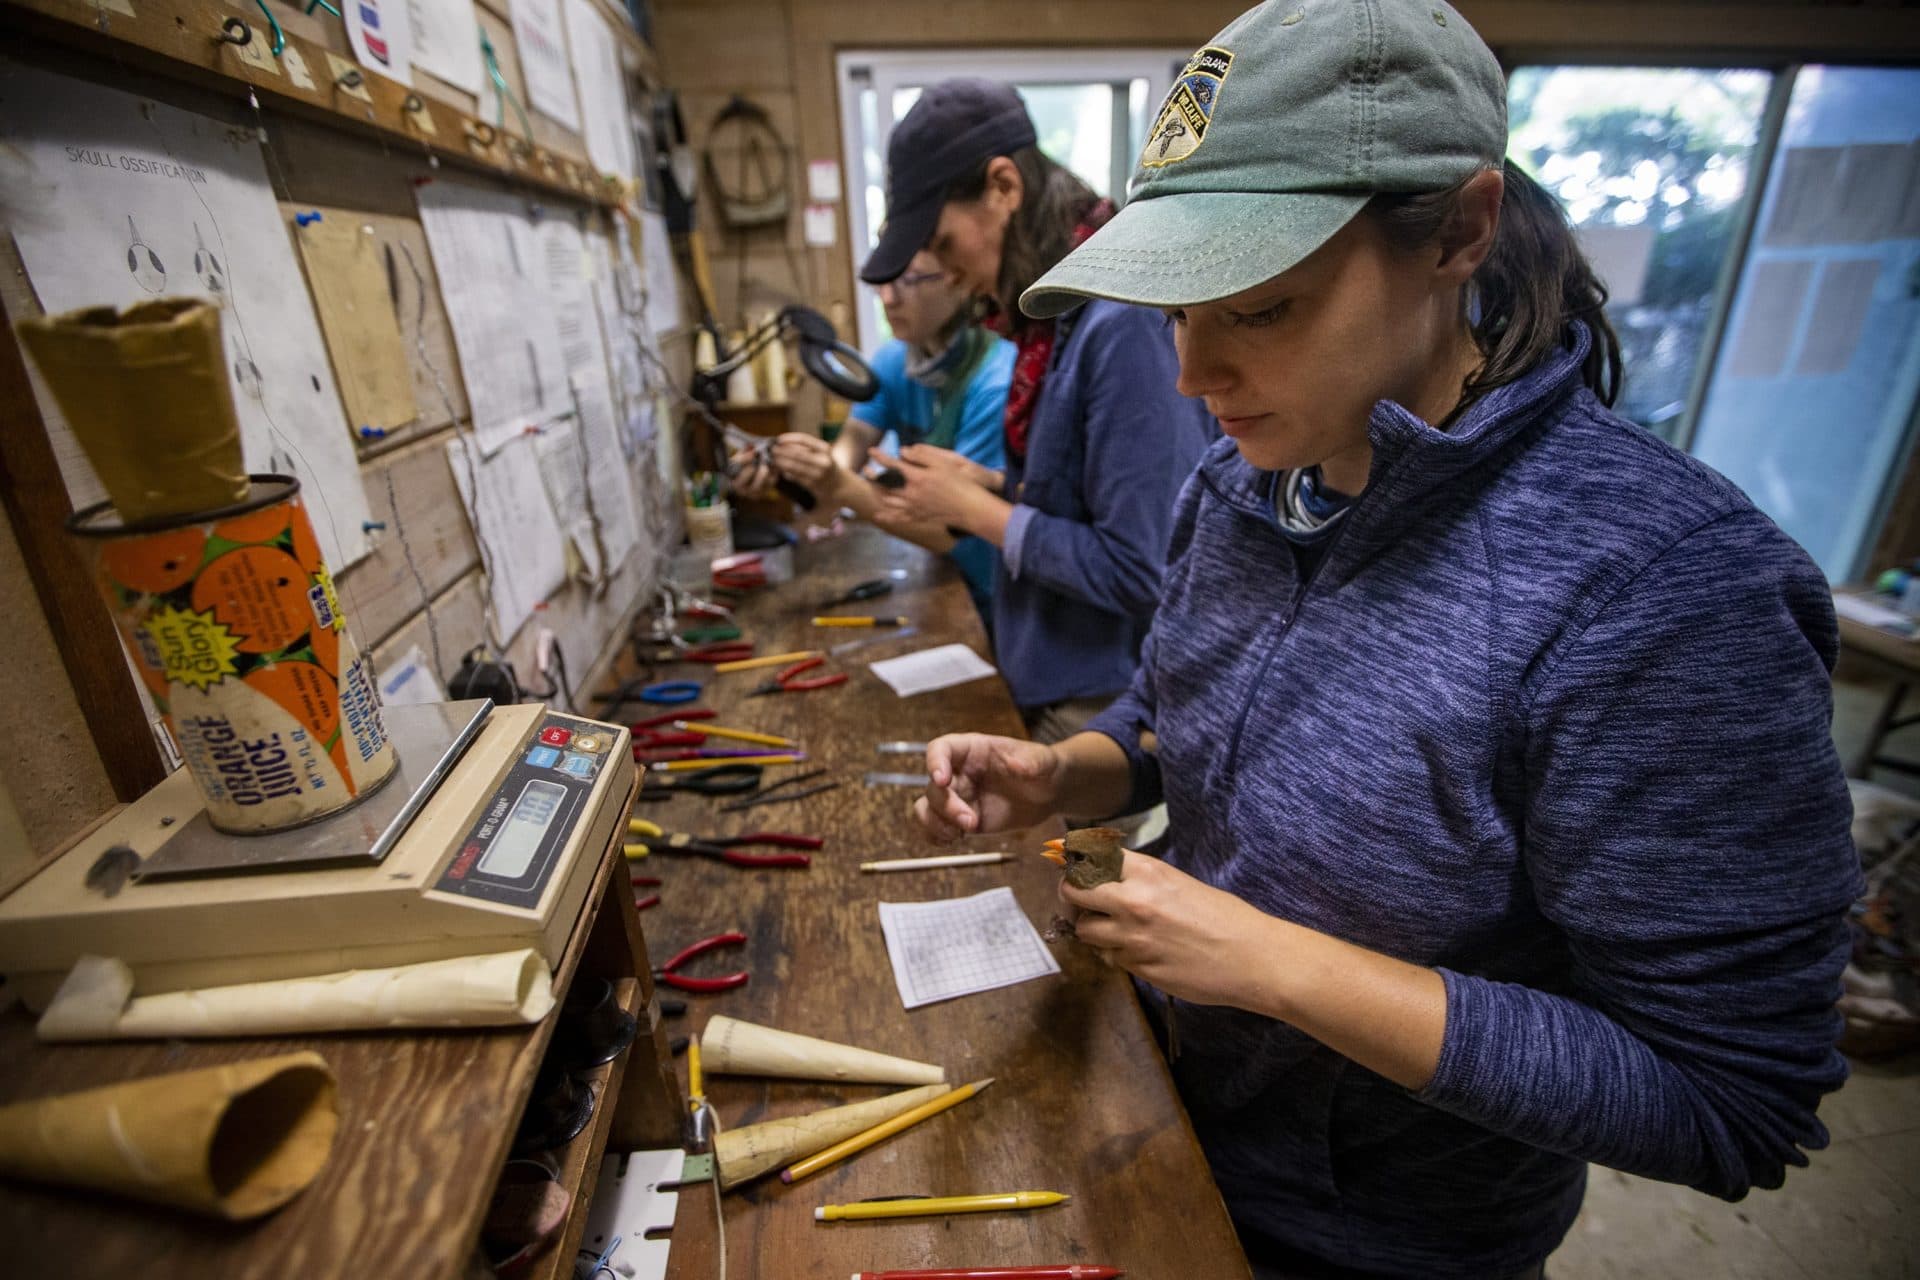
1276	134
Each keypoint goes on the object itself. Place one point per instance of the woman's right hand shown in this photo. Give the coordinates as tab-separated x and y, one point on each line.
749	474
808	460
979	782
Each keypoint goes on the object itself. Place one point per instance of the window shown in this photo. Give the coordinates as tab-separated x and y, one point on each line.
1090	110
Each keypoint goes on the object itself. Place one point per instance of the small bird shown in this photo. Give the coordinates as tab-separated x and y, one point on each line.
1092	856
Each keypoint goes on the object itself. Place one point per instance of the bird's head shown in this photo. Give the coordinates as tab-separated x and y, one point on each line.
1091	855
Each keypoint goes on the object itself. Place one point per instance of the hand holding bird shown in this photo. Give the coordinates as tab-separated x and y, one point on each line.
1092	856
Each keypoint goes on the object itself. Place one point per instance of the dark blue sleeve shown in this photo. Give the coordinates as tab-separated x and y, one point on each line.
1687	829
1142	439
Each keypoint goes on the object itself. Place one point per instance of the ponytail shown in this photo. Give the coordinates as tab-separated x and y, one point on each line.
1534	286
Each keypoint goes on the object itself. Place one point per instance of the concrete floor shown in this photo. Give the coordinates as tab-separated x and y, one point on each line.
1853	1213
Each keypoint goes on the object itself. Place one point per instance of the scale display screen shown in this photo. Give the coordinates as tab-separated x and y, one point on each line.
519	837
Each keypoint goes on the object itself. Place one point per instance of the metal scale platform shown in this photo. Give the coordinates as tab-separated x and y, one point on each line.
485	839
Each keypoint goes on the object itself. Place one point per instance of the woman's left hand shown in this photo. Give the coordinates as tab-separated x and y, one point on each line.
939	487
1180	934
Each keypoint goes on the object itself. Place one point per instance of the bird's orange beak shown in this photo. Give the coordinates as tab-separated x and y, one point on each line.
1055	852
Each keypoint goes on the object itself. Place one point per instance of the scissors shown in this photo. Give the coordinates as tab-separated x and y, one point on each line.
788	682
653	839
721	780
668	972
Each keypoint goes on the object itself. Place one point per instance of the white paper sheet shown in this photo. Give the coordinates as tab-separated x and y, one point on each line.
820	227
115	199
493	282
520	541
410	681
603	94
381	33
543	60
931	669
446	42
563	473
959	946
1873	613
662	284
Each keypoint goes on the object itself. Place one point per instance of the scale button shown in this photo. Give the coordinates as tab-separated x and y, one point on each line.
588	743
555	736
542	757
579	766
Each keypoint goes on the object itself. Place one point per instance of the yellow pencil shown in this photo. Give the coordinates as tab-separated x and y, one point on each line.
714	762
860	621
913	1206
771	660
861	1141
739	735
696	1087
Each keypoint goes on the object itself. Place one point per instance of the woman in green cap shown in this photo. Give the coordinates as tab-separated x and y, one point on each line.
1506	833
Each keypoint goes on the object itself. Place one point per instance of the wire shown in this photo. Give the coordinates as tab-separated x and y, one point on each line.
719	1225
505	94
279	36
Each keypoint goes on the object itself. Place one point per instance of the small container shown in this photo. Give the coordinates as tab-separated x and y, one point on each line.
710	530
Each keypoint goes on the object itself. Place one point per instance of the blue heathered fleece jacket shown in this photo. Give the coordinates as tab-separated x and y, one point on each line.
1552	716
1108	446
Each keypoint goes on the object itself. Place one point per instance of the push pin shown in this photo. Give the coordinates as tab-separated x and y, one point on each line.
308	218
370	526
373	433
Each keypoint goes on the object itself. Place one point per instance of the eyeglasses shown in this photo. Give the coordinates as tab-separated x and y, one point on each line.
915	281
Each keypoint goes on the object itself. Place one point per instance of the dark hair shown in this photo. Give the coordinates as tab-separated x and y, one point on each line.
1533	286
1052	203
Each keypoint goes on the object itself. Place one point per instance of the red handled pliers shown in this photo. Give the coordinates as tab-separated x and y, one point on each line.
650	740
652	899
727	848
725	982
788	682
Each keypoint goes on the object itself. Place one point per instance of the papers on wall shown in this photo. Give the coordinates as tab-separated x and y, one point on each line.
446	41
960	946
619	329
520	542
114	199
348	278
410	682
381	33
543	60
563	471
823	181
661	284
603	95
487	256
932	669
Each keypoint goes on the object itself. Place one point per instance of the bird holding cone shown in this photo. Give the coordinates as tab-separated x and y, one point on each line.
1092	856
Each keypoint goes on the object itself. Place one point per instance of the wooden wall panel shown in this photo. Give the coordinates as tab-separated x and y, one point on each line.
412	492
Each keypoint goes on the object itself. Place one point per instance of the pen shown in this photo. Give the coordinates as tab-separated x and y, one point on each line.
770	660
1062	1271
714	762
912	1206
860	621
738	735
886	1129
929	864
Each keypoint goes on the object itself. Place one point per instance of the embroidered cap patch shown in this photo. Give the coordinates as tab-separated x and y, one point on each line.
1182	124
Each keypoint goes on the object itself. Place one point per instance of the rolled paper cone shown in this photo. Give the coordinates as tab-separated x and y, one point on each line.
508	989
749	1152
147	394
234	1141
740	1048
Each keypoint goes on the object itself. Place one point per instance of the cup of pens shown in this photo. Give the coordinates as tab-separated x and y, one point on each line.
709	518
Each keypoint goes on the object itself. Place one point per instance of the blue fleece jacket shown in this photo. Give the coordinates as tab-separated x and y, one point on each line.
1109	444
1551	715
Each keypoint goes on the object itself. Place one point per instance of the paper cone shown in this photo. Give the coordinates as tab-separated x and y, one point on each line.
147	395
749	1152
739	1048
234	1141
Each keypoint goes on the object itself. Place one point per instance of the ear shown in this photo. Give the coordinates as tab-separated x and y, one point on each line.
1468	237
1005	187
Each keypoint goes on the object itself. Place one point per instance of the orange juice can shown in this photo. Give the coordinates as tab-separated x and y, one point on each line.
233	625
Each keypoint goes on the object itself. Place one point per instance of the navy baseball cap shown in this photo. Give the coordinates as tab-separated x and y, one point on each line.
954	126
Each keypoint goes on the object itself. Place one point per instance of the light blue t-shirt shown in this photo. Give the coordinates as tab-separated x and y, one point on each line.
906	411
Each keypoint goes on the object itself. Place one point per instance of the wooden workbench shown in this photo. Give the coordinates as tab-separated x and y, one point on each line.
1083	1101
425	1123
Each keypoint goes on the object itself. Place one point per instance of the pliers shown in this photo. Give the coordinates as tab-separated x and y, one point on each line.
654	839
721	780
786	681
725	982
649	737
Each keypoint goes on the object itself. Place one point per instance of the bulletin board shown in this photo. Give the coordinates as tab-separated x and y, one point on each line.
446	306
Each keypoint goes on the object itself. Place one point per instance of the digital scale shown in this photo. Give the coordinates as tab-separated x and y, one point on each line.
485	839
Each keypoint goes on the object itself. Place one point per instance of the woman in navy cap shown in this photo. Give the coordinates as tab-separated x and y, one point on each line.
1098	438
1506	832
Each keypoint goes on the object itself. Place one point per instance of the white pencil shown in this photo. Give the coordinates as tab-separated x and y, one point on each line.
928	864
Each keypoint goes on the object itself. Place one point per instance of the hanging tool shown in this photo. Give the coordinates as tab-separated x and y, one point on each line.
654	839
669	972
788	681
864	591
722	780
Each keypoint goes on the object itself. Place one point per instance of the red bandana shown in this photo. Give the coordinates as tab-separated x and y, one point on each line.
1035	348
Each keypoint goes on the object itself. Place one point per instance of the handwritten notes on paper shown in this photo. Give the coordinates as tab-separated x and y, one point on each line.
542	45
492	280
603	95
114	199
520	541
352	292
960	946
